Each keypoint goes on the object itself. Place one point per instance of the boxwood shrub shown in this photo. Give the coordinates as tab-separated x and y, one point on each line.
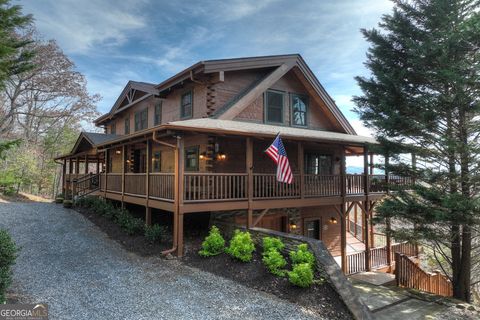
302	255
272	243
241	246
213	244
275	262
301	275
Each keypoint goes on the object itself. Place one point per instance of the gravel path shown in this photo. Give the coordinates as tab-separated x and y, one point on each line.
70	264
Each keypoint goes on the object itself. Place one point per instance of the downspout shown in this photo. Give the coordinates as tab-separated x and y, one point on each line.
174	247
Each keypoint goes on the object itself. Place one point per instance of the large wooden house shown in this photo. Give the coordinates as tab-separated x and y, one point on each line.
195	143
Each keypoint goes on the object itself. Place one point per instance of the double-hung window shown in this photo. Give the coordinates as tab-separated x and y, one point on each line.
113	128
186	105
127	125
157	116
191	158
274	102
321	164
141	120
299	110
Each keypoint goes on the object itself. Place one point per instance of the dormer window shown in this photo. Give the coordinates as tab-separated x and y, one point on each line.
186	105
274	101
299	110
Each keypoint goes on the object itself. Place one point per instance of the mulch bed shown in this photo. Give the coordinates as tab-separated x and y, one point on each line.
319	298
135	243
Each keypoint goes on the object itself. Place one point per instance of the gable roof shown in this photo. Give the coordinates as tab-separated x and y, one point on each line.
93	139
148	88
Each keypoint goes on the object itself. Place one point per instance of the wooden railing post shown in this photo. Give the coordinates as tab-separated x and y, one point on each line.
301	168
106	172
366	211
148	211
249	169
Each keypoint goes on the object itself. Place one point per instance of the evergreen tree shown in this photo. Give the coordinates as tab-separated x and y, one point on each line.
12	60
423	97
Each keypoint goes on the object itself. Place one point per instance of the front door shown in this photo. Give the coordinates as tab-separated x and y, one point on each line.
313	228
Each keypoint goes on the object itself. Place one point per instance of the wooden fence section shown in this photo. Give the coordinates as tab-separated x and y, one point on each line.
322	185
265	186
355	184
161	186
114	182
378	257
134	183
215	186
409	275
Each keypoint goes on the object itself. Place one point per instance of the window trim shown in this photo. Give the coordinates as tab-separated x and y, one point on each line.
308	153
159	105
190	92
265	106
307	107
159	161
113	127
197	151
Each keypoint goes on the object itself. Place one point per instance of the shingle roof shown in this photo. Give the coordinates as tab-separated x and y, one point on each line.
259	129
99	138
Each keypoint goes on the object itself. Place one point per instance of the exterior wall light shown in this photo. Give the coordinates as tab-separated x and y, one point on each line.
293	225
118	151
203	156
333	220
221	156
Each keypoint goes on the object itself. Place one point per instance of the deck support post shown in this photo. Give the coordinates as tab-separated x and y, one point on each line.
124	161
387	220
97	169
343	229
106	173
64	176
178	203
148	210
366	212
249	169
77	165
86	164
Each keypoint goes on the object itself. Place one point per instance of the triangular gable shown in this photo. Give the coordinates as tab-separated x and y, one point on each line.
133	92
83	143
236	105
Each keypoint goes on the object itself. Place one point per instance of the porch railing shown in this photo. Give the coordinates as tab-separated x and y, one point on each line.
200	186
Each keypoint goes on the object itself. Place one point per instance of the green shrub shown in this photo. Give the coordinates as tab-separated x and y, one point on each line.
154	233
301	275
8	254
302	255
275	262
67	203
241	246
213	244
59	200
130	224
272	243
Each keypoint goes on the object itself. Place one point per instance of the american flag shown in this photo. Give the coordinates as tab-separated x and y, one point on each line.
277	152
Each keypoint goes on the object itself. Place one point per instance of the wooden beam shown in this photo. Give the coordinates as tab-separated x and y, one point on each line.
124	160
301	168
260	217
148	211
343	239
179	210
253	94
249	170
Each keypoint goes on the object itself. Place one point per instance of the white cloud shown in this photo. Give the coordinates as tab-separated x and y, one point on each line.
80	26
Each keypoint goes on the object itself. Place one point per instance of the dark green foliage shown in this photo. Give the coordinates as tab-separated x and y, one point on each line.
130	224
8	254
214	243
7	145
274	261
272	243
423	97
67	203
301	275
302	255
13	60
241	246
154	233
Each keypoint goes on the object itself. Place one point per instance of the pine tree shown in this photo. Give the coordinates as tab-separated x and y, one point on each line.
12	60
423	97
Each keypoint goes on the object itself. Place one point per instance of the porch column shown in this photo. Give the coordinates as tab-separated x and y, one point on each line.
414	168
371	163
301	168
106	172
148	210
124	160
343	229
178	207
86	164
366	207
97	170
64	176
387	220
77	165
249	169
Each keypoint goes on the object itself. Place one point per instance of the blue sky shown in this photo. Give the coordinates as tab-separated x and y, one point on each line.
112	42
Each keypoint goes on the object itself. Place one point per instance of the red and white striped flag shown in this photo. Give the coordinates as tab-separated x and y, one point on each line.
277	152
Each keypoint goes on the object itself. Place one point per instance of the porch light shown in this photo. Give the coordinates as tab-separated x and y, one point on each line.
293	225
333	220
118	152
203	156
221	156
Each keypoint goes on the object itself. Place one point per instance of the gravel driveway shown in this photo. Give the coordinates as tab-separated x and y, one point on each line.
67	262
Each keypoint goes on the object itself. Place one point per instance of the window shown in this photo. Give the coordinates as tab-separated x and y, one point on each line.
274	101
141	120
186	104
299	110
113	128
318	164
191	158
157	116
156	162
127	125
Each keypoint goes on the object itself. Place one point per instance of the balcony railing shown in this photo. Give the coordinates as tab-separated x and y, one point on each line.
202	187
